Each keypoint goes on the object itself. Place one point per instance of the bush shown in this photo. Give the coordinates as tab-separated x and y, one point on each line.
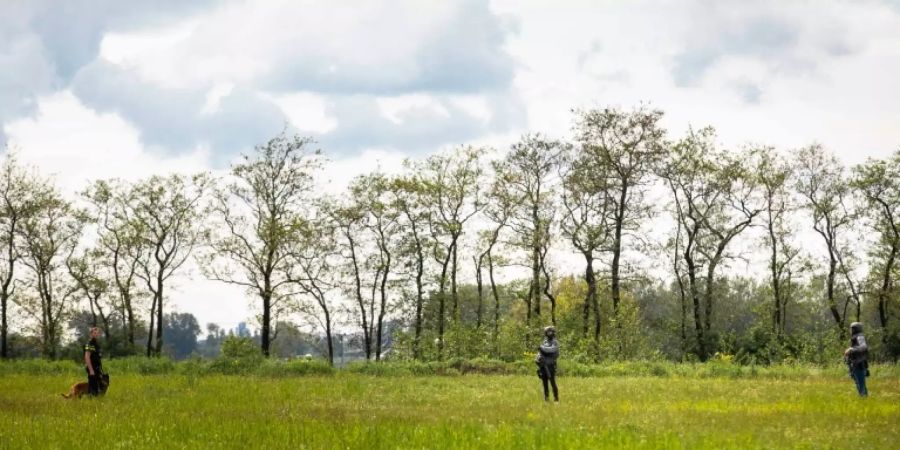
240	347
240	356
296	367
40	367
379	369
140	364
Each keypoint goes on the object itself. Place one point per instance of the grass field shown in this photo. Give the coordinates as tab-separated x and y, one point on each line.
359	411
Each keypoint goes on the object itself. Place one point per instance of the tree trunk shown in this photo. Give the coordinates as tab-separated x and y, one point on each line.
4	352
615	287
832	304
420	297
442	304
383	306
93	313
776	278
5	293
883	293
159	315
265	341
536	279
124	289
547	288
479	284
496	299
695	297
372	322
129	310
329	340
683	298
453	288
708	296
150	329
367	339
591	281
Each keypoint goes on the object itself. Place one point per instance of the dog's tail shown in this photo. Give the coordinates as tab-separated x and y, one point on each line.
66	395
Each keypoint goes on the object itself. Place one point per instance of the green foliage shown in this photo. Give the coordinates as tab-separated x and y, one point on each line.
40	367
240	347
139	365
240	355
296	367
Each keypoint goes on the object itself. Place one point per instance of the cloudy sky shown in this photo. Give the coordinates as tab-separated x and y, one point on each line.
105	88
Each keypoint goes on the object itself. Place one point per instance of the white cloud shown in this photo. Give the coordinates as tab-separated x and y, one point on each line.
75	144
307	111
361	46
214	97
398	108
831	83
476	106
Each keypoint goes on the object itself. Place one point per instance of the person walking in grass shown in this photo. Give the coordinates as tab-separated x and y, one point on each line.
93	363
548	352
857	357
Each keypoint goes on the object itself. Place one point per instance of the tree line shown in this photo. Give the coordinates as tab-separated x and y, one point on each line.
635	242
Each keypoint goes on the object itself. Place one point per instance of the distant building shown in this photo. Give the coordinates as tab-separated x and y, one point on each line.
242	330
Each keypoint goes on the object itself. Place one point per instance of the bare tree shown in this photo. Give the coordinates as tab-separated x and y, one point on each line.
822	183
714	201
86	270
168	213
49	236
311	270
628	145
452	184
408	199
372	193
260	210
17	204
498	209
879	183
586	223
774	176
118	245
529	175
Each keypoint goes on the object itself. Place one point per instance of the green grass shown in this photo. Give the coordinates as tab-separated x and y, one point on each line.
348	410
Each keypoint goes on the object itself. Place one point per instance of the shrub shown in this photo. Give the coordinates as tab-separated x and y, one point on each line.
140	364
40	367
240	355
296	367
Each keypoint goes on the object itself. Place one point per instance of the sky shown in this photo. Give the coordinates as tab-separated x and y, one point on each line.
94	89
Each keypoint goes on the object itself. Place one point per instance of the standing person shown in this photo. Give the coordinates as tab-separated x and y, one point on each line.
548	352
857	356
93	362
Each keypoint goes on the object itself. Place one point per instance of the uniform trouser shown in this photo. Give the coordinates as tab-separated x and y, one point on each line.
859	376
93	382
549	377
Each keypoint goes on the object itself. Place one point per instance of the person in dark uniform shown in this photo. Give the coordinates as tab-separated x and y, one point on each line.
93	362
857	356
548	353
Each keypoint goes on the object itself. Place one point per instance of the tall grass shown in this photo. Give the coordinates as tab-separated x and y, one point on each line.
353	411
453	367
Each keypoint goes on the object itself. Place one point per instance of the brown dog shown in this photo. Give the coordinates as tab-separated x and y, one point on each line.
79	389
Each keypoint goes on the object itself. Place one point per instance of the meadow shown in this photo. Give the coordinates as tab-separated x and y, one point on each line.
182	408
